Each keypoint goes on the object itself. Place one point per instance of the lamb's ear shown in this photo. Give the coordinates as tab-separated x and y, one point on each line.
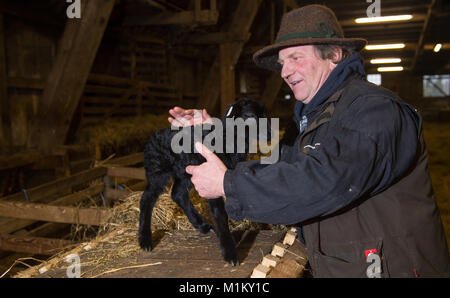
229	111
227	114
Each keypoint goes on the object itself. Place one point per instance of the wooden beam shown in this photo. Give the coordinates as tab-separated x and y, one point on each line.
32	245
60	214
201	17
5	119
19	159
58	186
66	81
12	225
128	160
227	85
216	38
125	172
425	28
240	26
273	85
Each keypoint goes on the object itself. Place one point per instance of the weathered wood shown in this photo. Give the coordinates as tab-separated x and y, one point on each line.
58	186
60	214
279	249
287	268
133	173
202	17
19	159
5	119
271	90
128	160
66	81
240	26
227	86
12	225
289	238
270	260
178	254
113	194
260	271
32	245
425	28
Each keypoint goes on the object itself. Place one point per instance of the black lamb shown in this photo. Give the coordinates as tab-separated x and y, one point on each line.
161	164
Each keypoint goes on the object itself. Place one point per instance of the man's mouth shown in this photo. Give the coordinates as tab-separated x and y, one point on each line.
295	82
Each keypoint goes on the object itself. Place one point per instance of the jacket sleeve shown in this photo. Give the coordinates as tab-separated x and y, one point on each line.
365	151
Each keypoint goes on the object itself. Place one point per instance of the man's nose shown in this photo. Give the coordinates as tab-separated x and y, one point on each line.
286	70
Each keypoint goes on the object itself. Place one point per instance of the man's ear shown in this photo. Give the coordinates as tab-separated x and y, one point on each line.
337	55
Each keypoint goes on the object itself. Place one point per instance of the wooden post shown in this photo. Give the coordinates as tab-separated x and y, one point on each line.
5	120
273	85
66	81
227	88
240	26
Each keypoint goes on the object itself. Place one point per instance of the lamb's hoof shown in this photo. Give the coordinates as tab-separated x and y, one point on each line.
231	257
206	228
145	243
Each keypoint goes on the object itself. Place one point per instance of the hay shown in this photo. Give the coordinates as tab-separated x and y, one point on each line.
121	136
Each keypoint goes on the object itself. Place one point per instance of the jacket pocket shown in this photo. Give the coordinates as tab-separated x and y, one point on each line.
352	259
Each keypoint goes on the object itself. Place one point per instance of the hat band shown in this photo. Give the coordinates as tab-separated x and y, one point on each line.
325	32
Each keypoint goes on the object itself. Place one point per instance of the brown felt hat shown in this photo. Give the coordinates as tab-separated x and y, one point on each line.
311	24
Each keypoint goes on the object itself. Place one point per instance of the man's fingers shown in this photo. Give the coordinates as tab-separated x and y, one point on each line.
190	169
205	152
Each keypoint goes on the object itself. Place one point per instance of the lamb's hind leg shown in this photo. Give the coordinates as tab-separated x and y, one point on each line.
227	244
155	186
180	195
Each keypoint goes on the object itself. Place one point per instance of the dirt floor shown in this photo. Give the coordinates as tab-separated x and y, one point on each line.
437	138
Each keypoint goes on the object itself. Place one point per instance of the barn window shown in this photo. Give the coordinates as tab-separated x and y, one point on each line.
436	85
374	78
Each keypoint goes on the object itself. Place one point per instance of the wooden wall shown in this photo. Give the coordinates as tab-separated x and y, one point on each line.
30	50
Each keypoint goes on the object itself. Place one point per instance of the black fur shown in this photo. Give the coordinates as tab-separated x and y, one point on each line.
161	164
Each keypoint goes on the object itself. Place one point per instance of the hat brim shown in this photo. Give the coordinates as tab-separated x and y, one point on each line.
267	57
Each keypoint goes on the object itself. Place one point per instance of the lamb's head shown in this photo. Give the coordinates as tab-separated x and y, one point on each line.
252	115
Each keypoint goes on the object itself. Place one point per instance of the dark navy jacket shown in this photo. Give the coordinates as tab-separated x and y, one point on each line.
351	181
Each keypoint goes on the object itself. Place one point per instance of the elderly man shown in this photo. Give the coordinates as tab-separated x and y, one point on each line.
355	181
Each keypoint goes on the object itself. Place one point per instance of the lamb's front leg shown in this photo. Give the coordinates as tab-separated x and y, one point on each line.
180	195
227	244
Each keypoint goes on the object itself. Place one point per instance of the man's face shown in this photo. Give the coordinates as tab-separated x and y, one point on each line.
304	71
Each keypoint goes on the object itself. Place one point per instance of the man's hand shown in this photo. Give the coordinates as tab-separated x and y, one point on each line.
182	117
208	177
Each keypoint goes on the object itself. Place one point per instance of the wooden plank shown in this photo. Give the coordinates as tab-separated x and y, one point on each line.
60	214
425	29
32	245
240	26
66	81
112	194
80	195
12	225
127	172
227	85
58	186
260	271
203	17
128	160
181	254
271	90
5	119
19	159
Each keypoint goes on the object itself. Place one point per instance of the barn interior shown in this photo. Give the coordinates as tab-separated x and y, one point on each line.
84	84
